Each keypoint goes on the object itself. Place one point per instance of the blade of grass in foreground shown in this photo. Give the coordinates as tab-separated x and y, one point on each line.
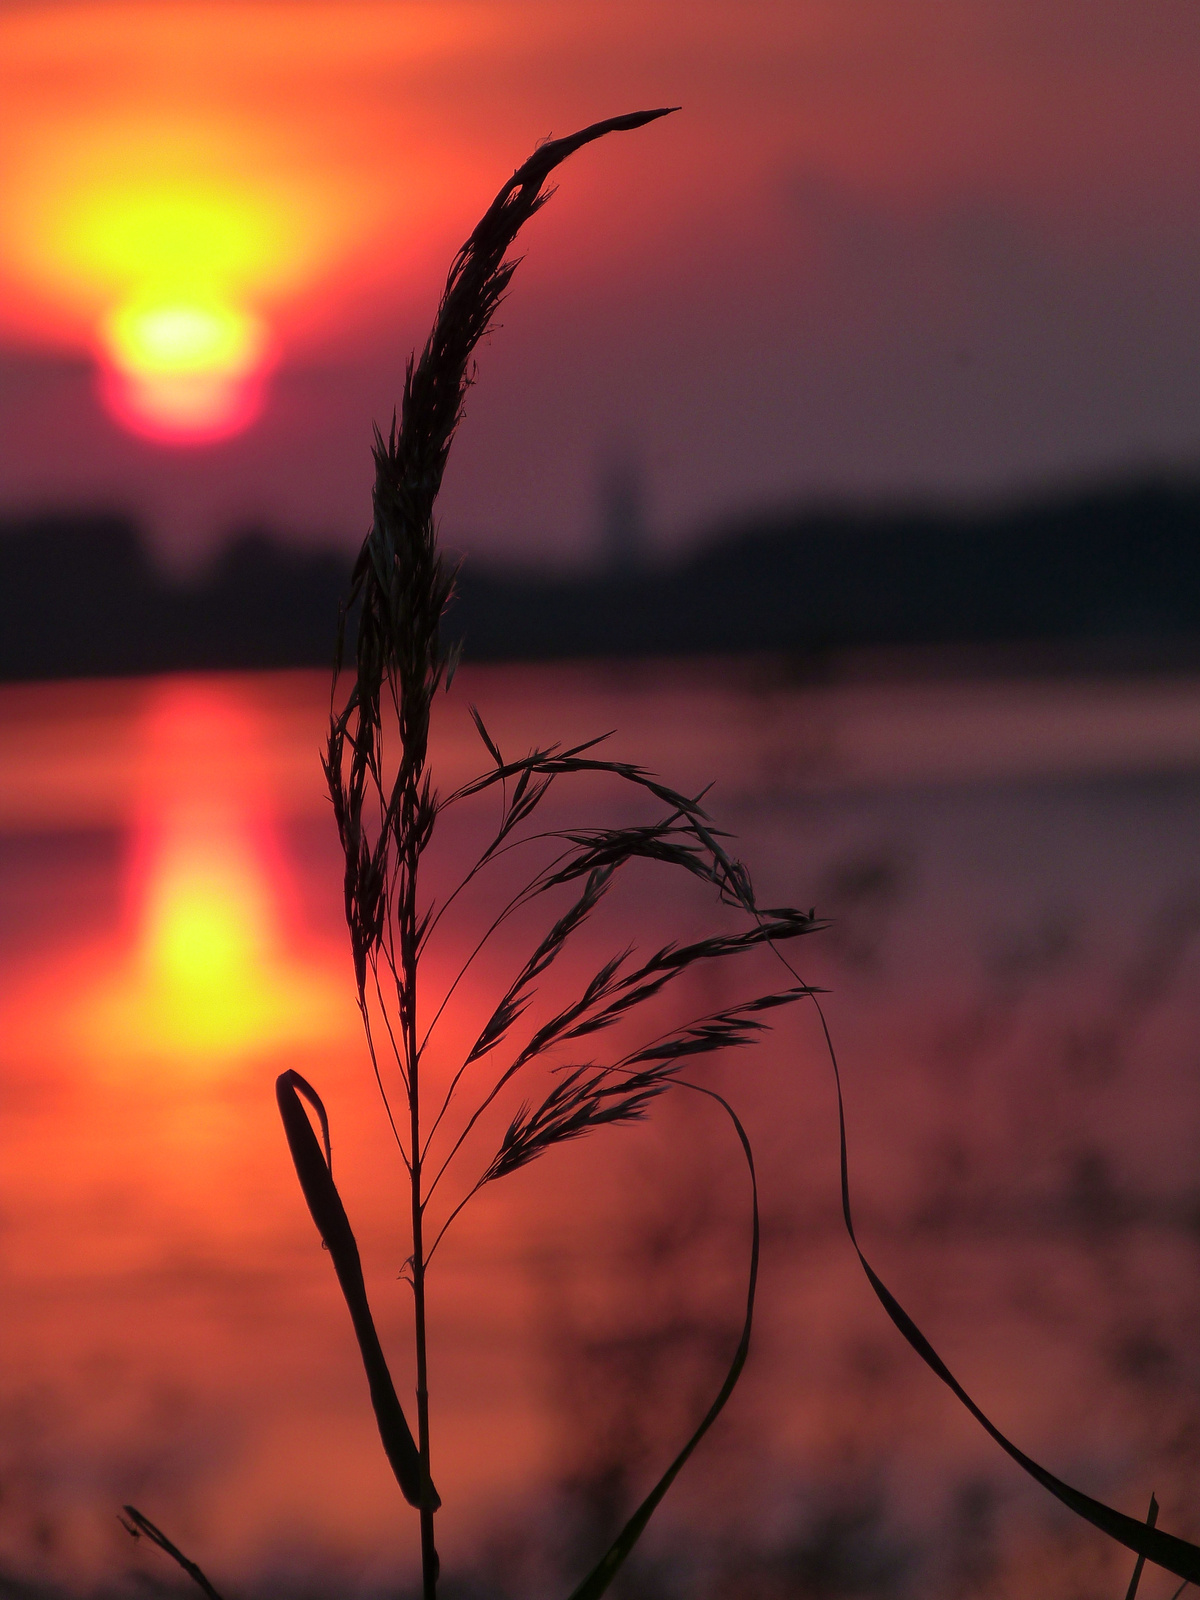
376	759
138	1526
615	1557
1165	1550
313	1168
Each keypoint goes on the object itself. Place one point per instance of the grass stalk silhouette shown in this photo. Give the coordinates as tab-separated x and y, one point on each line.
386	808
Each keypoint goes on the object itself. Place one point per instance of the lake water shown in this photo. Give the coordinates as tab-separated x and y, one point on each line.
1013	873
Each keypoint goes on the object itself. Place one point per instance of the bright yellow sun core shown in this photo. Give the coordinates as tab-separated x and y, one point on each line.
187	369
176	338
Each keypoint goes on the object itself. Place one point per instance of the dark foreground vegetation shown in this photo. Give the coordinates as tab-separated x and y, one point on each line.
1115	567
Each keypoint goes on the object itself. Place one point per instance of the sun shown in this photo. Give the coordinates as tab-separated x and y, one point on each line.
195	194
178	266
184	369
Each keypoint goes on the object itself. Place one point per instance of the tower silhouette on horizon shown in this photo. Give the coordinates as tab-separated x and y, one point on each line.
624	532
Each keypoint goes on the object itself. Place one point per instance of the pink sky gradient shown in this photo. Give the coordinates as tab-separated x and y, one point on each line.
882	249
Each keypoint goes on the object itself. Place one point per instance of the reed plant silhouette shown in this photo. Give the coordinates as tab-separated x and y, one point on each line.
387	807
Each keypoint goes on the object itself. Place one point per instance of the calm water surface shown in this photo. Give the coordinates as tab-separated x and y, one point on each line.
1013	873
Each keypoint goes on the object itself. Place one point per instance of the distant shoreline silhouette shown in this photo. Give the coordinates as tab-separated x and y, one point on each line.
1105	575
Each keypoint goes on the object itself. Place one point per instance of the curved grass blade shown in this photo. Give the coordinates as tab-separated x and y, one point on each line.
614	1558
137	1525
1165	1550
316	1180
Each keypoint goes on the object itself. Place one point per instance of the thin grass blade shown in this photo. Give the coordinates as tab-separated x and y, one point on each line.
1165	1550
316	1180
615	1557
492	748
138	1526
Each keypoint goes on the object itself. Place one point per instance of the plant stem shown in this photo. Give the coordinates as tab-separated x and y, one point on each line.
429	1555
429	1560
408	957
401	587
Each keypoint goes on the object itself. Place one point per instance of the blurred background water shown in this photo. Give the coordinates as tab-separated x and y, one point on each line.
1012	871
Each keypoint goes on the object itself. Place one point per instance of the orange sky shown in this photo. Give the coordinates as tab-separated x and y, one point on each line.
881	248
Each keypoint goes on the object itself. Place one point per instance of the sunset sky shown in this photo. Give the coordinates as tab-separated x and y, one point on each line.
883	248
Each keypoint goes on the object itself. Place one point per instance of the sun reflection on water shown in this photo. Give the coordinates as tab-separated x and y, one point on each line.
212	965
210	978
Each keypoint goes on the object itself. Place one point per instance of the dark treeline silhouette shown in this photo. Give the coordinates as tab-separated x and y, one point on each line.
80	597
1117	566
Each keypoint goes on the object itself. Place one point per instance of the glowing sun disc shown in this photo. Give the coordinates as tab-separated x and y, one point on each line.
184	338
183	371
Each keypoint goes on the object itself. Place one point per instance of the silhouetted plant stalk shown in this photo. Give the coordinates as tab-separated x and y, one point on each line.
386	809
